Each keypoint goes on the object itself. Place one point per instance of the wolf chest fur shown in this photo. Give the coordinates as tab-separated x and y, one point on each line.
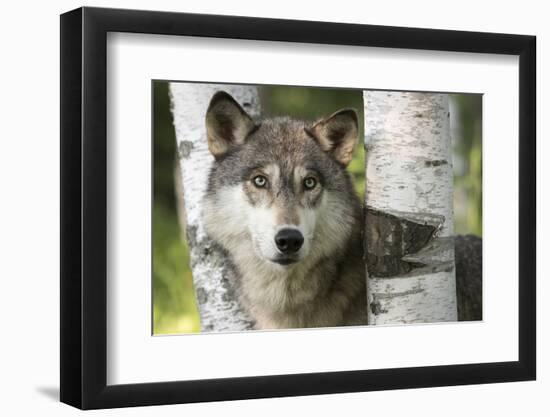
281	203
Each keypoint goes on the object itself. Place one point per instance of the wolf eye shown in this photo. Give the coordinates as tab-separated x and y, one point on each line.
310	183
260	181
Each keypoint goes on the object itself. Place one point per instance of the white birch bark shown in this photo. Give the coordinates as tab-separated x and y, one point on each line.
409	215
212	275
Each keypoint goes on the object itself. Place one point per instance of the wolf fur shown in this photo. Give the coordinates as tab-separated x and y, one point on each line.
279	176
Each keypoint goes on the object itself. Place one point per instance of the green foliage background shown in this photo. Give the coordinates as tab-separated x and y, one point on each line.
174	308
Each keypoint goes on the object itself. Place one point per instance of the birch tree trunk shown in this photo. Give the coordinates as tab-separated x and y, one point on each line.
409	208
212	273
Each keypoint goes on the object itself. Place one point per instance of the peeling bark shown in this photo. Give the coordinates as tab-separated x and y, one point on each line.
213	275
409	208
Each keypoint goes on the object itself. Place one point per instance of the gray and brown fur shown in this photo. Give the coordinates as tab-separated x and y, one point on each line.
323	283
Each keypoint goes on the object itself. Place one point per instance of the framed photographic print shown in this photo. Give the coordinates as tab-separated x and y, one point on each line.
257	208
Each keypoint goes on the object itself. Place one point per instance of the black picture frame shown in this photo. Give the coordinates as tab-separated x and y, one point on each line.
84	207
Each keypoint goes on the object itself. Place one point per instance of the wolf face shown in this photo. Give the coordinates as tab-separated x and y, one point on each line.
278	195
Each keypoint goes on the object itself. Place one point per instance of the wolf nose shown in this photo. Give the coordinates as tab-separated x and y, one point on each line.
289	240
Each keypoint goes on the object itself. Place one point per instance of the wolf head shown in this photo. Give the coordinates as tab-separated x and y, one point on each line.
278	191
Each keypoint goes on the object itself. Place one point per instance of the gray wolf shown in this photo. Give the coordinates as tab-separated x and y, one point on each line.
281	203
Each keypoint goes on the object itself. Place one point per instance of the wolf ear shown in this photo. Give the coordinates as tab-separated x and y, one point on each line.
337	134
227	124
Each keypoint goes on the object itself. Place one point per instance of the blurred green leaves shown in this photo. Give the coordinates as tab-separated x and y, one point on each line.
467	163
174	309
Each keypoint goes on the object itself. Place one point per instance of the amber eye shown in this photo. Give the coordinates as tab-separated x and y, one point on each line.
260	181
310	183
